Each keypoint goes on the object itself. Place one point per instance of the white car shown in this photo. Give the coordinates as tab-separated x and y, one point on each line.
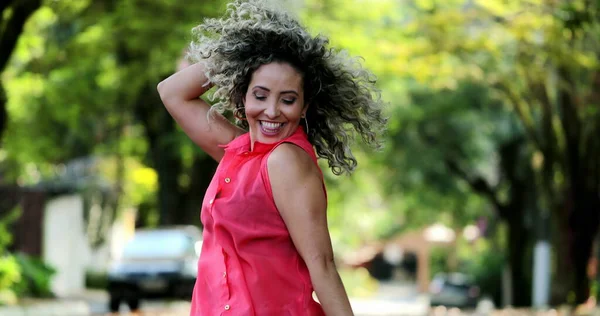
156	264
453	290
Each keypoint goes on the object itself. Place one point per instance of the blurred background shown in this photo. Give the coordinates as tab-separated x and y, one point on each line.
486	196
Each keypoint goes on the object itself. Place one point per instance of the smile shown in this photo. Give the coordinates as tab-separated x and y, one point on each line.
270	128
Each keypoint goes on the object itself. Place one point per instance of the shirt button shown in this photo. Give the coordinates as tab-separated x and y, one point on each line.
211	201
227	307
227	180
224	274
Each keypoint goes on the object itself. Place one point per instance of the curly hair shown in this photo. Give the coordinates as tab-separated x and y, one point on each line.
341	94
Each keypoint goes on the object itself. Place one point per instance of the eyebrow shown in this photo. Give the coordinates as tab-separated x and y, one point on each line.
282	92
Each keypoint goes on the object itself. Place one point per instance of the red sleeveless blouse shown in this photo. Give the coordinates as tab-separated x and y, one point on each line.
248	264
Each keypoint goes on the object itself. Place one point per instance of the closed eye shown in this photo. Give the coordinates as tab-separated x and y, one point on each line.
259	97
289	101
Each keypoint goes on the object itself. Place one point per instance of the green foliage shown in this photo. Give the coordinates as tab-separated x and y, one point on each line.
96	280
5	222
540	59
485	264
35	277
82	80
438	260
10	271
463	79
409	184
358	282
82	83
441	141
10	276
20	275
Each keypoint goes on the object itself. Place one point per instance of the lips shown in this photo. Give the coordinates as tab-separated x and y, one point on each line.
271	128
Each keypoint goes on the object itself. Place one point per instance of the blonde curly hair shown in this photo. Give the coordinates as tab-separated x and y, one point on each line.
341	94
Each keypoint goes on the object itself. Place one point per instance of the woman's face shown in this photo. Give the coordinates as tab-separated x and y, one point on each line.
274	102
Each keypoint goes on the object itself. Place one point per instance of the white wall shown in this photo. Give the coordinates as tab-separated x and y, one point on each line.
65	246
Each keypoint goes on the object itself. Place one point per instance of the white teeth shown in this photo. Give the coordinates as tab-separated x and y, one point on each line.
270	124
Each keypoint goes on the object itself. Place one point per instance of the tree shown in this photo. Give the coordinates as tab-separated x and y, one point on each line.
462	142
538	59
541	58
84	83
14	15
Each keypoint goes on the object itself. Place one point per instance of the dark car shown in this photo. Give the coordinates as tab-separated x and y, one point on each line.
155	264
453	290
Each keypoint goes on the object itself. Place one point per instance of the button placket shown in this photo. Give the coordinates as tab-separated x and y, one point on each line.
224	281
235	165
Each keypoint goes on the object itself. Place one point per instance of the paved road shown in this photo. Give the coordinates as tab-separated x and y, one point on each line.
391	300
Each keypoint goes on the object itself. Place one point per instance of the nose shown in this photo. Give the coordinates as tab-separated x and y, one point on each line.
272	110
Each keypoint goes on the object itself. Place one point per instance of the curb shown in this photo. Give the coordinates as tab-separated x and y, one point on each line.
51	308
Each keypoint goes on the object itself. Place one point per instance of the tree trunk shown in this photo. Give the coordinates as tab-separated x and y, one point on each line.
3	111
518	242
13	25
177	204
522	192
12	28
168	167
584	226
561	242
164	153
203	169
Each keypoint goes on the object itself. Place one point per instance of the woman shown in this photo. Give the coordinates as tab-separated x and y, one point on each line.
266	242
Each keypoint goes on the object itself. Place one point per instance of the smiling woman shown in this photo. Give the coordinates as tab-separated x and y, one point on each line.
274	103
266	243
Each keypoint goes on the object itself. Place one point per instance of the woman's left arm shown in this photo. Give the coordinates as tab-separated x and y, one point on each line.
298	193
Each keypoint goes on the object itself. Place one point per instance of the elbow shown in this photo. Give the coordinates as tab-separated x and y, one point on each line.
160	87
321	262
163	93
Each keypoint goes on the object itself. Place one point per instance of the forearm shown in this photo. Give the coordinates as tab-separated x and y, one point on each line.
186	84
330	289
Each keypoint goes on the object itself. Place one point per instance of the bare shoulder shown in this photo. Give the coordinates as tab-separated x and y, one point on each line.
290	161
297	185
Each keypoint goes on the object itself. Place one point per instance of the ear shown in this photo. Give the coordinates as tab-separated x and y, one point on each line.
304	110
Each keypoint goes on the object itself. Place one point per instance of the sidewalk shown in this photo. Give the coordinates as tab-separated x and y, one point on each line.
50	307
392	299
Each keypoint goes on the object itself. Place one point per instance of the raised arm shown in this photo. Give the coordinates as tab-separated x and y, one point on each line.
299	196
180	94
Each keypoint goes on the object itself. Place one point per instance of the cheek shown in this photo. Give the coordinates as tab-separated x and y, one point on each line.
251	109
294	113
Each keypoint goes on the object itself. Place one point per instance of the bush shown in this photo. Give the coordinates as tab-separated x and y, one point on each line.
20	274
35	277
438	260
10	271
10	275
485	265
96	280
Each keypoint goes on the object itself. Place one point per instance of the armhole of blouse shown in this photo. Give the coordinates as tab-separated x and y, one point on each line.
264	171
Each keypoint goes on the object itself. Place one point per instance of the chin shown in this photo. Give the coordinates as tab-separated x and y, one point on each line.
270	139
